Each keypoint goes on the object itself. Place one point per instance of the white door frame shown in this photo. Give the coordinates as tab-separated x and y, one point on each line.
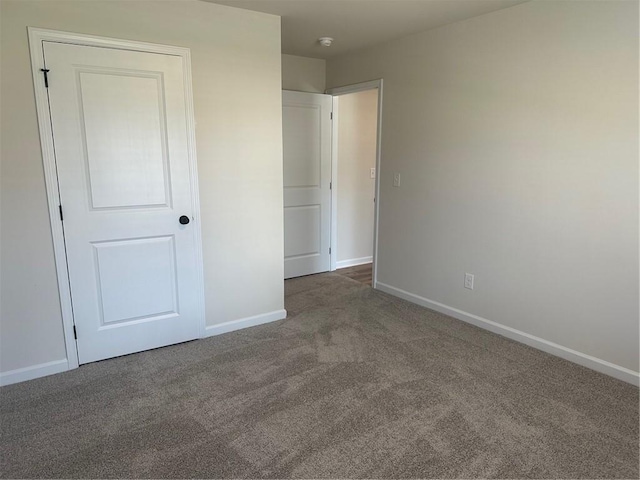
337	91
36	38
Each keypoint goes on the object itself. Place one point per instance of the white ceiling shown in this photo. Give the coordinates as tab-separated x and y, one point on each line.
356	24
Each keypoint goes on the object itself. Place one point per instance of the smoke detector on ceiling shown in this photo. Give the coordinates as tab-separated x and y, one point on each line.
325	41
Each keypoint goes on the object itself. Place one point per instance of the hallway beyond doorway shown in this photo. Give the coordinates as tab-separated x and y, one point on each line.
360	273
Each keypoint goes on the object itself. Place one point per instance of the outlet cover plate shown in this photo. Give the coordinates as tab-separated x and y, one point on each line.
396	179
468	281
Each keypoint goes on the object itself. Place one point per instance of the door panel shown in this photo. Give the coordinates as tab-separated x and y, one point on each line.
307	177
302	230
302	154
136	279
120	131
123	120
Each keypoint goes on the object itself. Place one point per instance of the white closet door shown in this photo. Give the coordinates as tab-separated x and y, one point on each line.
120	133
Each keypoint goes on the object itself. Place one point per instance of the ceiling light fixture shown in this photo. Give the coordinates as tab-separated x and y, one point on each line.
325	41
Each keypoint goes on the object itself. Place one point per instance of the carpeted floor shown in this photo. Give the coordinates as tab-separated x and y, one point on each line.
355	383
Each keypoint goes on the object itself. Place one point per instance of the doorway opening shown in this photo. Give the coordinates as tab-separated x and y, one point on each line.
331	160
355	168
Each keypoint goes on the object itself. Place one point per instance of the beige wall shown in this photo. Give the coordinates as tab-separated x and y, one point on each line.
516	135
237	95
303	74
357	131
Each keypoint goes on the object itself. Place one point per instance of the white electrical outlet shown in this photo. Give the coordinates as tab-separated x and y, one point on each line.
468	281
396	179
372	173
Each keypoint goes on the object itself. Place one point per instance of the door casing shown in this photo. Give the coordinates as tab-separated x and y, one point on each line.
36	38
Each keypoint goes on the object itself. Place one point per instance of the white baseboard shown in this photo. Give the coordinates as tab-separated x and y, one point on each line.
353	262
58	366
602	366
34	371
241	323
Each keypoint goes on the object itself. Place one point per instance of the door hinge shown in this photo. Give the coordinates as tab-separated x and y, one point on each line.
329	250
330	185
331	113
75	333
45	71
60	209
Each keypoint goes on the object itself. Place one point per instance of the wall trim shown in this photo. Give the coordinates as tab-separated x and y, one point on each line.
352	262
34	371
597	364
246	322
355	87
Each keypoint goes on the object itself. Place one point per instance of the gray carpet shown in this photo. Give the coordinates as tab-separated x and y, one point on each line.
355	383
